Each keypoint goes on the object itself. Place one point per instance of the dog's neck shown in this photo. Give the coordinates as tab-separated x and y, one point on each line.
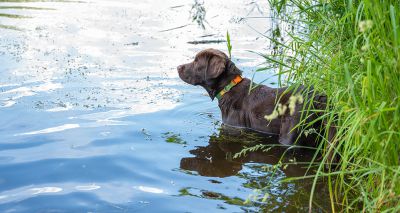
234	99
228	87
238	91
214	86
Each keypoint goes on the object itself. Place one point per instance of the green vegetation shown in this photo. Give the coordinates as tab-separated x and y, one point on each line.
23	8
228	44
12	16
211	195
171	137
17	1
349	50
9	27
15	16
18	8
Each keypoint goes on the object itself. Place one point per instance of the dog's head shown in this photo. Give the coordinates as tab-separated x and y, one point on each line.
210	69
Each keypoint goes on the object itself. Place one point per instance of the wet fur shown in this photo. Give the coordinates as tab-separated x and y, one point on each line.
213	70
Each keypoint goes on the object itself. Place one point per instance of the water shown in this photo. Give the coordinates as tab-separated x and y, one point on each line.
95	119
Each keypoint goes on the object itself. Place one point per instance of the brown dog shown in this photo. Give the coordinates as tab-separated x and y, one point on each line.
219	76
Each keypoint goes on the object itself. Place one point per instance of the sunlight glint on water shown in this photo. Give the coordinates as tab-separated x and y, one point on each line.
94	117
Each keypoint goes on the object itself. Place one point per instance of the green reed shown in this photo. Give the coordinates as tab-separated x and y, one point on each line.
349	50
228	44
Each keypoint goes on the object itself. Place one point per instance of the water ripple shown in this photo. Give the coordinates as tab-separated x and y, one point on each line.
51	130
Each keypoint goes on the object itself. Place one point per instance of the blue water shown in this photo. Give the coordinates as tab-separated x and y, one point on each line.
93	116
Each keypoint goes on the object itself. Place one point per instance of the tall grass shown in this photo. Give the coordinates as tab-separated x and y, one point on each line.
349	50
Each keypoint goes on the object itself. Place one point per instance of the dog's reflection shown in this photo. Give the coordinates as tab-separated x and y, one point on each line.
217	158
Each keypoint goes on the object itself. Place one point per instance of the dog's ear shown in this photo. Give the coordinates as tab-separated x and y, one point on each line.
215	67
212	62
216	61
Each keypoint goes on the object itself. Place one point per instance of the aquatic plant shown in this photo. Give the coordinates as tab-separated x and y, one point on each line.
349	50
198	13
18	8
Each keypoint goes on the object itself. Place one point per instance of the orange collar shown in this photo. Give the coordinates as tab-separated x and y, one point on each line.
228	87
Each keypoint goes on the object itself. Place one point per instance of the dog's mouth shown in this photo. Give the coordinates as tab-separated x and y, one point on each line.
180	68
186	79
182	74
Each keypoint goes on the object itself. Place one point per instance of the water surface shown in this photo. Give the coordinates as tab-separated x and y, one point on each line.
95	119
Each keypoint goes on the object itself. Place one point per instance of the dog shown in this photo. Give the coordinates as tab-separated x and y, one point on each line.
264	109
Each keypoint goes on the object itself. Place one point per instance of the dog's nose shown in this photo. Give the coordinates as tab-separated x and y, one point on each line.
180	68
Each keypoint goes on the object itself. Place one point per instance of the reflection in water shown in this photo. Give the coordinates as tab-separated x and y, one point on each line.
217	159
53	129
36	191
259	170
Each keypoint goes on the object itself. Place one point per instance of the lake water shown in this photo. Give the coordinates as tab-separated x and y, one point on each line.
94	118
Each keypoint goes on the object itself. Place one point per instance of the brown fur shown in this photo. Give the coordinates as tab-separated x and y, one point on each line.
213	70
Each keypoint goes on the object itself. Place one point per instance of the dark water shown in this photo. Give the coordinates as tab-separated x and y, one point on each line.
93	116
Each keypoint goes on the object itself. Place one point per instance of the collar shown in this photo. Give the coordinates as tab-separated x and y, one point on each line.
228	87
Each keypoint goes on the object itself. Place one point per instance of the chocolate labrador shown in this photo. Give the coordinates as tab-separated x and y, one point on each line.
264	109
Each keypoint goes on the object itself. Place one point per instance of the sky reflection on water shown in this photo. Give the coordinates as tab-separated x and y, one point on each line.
95	118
